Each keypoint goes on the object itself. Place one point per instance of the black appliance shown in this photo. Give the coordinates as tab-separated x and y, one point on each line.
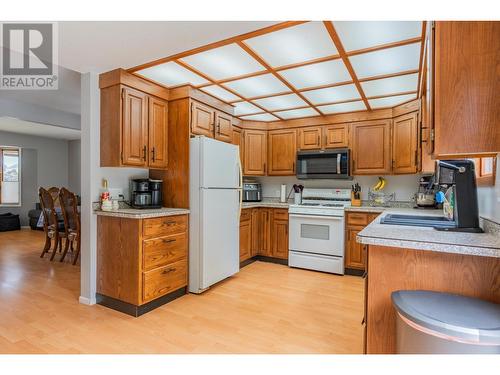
252	191
146	193
460	175
330	164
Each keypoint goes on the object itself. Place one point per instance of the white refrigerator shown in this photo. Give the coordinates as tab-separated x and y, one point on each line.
215	203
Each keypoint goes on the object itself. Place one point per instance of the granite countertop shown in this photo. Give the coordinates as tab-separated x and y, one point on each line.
267	202
422	238
131	213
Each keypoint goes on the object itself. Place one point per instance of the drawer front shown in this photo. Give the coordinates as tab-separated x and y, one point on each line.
357	219
164	280
161	251
164	226
246	214
280	214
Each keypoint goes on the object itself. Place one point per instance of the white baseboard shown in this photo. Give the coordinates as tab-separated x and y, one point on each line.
86	301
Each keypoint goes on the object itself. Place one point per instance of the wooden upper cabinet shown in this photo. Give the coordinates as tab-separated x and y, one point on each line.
282	152
371	147
404	144
158	133
202	119
223	127
310	138
255	156
335	136
466	79
134	128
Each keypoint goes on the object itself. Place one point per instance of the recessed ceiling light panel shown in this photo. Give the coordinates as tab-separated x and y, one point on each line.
172	74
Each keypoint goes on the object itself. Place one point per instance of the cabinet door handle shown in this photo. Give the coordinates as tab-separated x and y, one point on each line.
168	271
144	152
169	240
153	152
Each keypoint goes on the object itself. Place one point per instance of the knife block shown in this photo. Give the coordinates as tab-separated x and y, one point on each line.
355	202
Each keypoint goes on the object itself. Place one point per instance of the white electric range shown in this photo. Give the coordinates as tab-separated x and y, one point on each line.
316	234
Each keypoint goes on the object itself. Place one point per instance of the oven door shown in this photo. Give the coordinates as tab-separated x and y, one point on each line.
317	234
332	164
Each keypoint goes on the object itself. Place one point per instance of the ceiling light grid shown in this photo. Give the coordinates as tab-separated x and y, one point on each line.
261	75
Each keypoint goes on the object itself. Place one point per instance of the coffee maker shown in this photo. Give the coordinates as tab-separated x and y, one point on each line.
146	193
459	177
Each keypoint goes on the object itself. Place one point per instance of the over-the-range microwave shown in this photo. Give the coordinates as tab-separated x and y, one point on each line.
324	164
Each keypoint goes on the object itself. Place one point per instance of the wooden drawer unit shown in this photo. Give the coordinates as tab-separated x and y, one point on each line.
141	260
280	214
163	280
164	226
158	252
357	218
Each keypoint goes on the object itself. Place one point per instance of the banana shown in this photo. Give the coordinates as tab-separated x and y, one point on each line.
380	184
384	182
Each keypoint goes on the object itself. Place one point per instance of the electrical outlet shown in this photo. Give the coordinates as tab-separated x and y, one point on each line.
115	193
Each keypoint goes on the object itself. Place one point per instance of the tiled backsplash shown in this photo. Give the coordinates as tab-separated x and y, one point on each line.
404	186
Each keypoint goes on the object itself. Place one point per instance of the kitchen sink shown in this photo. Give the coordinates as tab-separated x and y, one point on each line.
418	221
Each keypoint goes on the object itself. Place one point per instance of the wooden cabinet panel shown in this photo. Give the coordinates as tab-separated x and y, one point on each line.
466	77
256	231
158	133
161	251
265	232
223	127
282	152
404	144
202	119
371	151
279	232
164	280
335	136
356	252
245	235
164	226
134	128
310	138
255	156
238	141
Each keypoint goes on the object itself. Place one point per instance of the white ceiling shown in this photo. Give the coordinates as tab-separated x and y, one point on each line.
103	46
14	125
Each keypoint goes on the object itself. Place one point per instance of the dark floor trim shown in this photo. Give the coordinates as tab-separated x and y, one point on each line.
354	272
247	262
131	309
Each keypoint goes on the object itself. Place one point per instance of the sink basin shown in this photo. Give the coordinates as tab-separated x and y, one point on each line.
418	221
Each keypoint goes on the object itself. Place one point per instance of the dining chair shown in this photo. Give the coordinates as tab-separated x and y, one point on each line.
54	230
69	207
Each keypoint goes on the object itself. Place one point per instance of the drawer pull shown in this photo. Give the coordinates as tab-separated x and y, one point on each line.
365	274
363	321
168	271
169	240
170	223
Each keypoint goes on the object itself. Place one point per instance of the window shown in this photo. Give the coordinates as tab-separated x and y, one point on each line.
10	176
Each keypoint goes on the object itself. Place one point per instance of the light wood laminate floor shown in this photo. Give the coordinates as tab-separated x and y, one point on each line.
265	308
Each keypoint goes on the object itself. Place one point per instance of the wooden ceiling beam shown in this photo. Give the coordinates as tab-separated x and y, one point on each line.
340	48
220	43
381	47
254	54
201	74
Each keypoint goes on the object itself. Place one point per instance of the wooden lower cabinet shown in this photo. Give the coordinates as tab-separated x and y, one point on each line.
140	260
355	253
263	231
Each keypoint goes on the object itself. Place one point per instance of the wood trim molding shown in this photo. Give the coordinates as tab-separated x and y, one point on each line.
421	59
336	40
122	77
188	91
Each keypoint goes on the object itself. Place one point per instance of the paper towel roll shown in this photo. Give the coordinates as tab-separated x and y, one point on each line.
283	193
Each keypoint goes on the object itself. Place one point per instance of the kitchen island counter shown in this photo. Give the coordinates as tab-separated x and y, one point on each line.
425	238
132	213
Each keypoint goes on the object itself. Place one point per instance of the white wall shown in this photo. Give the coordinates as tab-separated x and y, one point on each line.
489	198
404	186
74	166
92	175
44	162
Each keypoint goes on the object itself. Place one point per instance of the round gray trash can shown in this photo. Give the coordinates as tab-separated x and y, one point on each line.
443	323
